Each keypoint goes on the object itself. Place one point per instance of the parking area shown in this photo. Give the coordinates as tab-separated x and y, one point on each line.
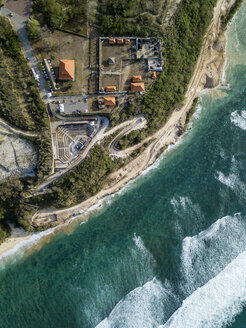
20	7
72	104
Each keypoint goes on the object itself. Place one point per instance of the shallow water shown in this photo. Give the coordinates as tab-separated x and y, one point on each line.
170	251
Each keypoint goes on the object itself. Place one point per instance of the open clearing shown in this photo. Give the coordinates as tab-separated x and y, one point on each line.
59	45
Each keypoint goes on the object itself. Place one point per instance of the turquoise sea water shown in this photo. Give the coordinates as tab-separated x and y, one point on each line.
170	251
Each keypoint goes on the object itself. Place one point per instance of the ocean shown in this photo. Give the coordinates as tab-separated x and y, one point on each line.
169	250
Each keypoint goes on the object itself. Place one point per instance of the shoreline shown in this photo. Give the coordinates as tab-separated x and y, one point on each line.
210	62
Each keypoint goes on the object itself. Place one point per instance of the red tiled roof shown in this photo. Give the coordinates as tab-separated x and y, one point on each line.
110	88
66	69
153	75
109	101
136	78
137	86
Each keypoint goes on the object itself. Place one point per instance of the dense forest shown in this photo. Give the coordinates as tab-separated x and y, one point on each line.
130	17
21	106
56	13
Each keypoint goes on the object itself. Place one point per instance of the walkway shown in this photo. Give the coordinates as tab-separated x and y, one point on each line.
19	25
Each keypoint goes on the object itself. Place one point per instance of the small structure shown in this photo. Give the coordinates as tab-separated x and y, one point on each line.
137	87
137	78
127	41
153	75
110	88
61	108
120	41
66	70
111	60
111	41
109	101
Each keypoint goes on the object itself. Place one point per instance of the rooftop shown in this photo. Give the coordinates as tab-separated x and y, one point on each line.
66	69
137	78
110	88
137	87
109	101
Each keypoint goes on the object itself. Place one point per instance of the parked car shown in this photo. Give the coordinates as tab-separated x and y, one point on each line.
10	15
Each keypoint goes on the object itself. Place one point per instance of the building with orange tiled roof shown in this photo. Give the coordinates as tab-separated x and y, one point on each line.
137	87
66	70
111	41
109	101
153	75
110	88
127	41
137	78
120	41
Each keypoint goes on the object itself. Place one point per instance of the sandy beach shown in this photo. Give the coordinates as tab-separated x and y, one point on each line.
210	64
18	235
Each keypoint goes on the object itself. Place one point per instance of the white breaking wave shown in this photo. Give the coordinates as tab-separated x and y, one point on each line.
184	205
217	302
206	254
146	307
232	181
239	120
140	245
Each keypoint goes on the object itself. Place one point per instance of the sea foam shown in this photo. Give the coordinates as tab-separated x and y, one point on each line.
239	119
203	256
146	307
217	302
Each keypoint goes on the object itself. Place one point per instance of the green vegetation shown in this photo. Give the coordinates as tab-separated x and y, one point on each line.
21	106
33	29
130	17
182	42
56	13
86	180
4	231
20	102
132	138
225	19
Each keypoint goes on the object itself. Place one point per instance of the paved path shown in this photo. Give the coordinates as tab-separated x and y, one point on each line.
19	25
